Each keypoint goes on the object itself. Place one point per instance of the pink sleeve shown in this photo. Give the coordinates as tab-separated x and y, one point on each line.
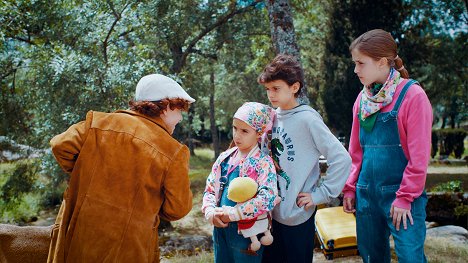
416	120
355	151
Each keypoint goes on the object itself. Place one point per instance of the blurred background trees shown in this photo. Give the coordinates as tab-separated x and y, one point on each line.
60	59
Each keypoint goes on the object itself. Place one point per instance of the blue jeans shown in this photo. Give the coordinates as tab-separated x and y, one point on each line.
229	246
374	227
383	165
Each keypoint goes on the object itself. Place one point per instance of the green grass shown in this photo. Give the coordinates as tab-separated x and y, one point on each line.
200	167
203	159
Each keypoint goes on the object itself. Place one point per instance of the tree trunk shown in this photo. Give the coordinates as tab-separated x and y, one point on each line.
282	27
453	118
283	34
214	129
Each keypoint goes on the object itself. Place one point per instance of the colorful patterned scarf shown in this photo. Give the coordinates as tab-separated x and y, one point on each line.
372	103
258	116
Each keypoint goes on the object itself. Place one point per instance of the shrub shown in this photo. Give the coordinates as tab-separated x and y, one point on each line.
20	198
461	210
451	186
22	210
19	182
55	180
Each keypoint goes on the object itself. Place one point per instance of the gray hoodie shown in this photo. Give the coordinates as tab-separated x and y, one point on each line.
299	137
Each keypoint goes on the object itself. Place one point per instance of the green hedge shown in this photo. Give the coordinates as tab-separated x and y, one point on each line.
448	141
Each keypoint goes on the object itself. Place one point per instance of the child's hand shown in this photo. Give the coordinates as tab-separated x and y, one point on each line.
224	213
217	218
217	222
400	214
348	205
304	199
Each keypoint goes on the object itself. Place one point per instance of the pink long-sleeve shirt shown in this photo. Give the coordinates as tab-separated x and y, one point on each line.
415	127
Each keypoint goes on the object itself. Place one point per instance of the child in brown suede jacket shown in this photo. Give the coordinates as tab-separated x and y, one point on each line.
126	172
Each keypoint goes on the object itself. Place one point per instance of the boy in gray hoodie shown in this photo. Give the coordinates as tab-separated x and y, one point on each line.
299	137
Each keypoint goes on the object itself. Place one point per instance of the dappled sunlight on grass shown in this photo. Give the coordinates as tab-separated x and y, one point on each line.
200	167
204	152
203	159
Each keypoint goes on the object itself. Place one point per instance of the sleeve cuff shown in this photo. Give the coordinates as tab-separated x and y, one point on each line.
402	203
234	213
209	211
349	194
317	198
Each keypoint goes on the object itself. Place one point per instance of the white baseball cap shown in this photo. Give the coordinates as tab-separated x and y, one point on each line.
156	87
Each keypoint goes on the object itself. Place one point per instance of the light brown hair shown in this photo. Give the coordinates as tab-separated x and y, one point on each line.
379	44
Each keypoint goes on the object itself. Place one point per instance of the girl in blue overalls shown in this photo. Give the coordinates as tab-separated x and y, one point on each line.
390	150
250	124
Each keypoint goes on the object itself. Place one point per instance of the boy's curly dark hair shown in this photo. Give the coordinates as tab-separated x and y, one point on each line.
155	108
283	67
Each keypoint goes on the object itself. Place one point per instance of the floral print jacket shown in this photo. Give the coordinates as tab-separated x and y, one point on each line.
259	167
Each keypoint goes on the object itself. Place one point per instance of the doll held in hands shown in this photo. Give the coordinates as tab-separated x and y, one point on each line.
240	190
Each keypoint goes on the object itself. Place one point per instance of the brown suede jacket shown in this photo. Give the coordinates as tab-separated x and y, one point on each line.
126	171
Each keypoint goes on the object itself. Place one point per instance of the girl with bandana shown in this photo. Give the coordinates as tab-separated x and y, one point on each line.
251	123
390	149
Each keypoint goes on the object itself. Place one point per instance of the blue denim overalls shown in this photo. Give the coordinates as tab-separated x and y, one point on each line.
381	174
229	245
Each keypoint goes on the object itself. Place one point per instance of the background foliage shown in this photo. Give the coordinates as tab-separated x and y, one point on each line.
60	59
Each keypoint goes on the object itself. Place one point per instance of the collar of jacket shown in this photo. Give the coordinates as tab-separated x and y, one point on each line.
157	120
